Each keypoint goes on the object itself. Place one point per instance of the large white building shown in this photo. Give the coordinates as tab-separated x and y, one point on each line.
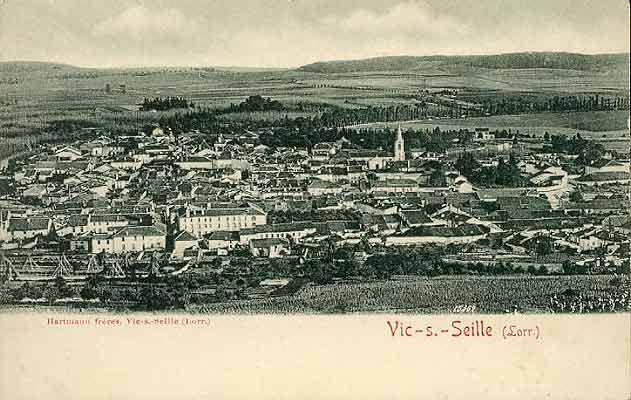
94	223
201	222
130	239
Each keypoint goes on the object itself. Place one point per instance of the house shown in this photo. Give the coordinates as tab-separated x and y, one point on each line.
35	192
321	187
93	223
604	178
201	222
222	240
462	185
30	227
129	240
450	216
549	177
198	162
598	206
438	235
323	151
528	167
67	154
183	241
102	148
353	174
81	243
423	155
591	239
127	164
590	242
377	209
396	186
270	248
617	223
390	222
414	218
605	165
522	202
290	231
483	135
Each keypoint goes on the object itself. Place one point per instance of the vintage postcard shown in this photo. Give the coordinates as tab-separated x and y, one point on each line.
315	199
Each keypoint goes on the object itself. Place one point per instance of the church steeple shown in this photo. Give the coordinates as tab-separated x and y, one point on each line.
399	146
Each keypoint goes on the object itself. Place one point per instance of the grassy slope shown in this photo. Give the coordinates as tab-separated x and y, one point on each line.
570	61
595	121
48	92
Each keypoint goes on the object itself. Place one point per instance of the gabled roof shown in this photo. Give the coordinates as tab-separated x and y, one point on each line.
273	228
35	190
322	184
604	162
28	224
224	235
605	176
527	202
414	217
78	220
69	149
185	236
265	243
397	183
139	231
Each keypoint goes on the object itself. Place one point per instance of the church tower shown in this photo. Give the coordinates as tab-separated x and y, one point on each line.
399	146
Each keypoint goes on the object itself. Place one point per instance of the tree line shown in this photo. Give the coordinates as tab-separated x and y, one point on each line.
165	103
255	103
527	104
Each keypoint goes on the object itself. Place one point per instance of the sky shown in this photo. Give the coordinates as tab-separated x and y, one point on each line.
290	33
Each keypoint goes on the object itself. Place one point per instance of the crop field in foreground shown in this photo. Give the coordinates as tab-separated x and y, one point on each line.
526	294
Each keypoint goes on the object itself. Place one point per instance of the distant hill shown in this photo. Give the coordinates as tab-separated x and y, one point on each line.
618	63
33	66
48	69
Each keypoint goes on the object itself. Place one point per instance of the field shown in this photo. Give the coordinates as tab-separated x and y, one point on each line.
526	294
606	127
563	122
34	95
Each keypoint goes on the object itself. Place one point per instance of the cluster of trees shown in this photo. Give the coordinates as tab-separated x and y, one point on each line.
439	107
587	103
256	103
199	119
353	116
408	261
50	291
587	150
165	103
174	292
504	174
534	104
305	132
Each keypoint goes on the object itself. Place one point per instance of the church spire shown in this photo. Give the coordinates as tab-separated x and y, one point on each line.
399	146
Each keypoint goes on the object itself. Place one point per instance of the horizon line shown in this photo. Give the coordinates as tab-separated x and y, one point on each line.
263	67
